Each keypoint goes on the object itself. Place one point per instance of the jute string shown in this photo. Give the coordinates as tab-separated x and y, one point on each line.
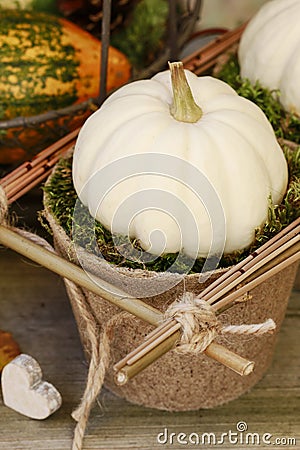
100	346
199	323
3	206
99	343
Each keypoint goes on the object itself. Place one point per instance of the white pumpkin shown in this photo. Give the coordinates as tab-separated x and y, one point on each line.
180	166
269	50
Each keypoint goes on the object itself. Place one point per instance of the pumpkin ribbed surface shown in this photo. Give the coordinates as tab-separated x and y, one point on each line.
47	63
269	50
179	185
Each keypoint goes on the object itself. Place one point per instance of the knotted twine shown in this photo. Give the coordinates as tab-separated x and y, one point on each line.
200	325
198	320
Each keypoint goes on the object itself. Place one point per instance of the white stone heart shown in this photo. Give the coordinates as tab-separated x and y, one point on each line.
24	390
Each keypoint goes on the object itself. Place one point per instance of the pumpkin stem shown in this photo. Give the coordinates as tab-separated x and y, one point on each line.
184	107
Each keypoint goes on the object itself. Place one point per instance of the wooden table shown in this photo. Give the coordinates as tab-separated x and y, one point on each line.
35	308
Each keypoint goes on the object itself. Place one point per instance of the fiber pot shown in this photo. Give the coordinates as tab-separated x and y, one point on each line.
177	382
297	281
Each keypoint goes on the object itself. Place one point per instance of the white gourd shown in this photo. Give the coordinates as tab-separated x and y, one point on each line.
269	50
222	141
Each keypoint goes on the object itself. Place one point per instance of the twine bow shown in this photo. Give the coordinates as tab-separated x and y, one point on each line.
200	324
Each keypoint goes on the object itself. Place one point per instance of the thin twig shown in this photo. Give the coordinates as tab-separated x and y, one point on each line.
233	274
203	59
167	334
41	156
251	268
125	371
276	268
66	269
29	186
30	176
31	173
32	121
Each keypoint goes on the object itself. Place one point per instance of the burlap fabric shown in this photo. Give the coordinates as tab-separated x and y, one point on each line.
177	382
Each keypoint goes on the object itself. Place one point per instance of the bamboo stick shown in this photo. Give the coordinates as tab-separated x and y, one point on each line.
32	176
233	273
276	262
158	344
199	61
42	156
31	173
153	340
230	359
229	299
124	371
250	268
68	270
28	187
166	335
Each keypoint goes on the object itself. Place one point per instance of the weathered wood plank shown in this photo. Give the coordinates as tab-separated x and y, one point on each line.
35	308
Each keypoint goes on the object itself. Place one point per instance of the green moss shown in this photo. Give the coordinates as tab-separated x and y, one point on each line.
62	196
62	199
285	125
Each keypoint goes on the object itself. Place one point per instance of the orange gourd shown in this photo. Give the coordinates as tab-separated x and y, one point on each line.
47	63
